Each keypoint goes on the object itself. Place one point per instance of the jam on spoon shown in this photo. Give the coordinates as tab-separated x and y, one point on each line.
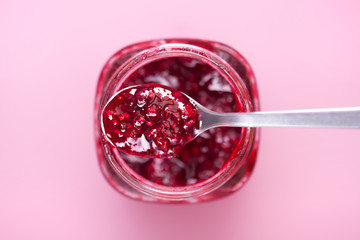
153	120
150	120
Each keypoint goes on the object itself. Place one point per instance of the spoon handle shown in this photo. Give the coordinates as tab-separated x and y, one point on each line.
312	118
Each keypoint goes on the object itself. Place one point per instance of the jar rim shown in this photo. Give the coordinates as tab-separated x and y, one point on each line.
230	167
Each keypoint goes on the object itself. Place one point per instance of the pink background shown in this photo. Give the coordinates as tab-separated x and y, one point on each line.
305	54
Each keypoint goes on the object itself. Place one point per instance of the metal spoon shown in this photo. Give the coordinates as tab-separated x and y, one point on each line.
348	117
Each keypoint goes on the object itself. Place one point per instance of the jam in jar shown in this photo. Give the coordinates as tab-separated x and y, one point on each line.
160	167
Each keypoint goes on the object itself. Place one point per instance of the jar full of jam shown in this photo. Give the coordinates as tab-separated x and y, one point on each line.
215	163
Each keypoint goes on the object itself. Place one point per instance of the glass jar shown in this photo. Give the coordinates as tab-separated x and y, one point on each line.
227	64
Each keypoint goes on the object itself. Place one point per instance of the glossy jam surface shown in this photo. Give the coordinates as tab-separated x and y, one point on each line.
150	120
203	157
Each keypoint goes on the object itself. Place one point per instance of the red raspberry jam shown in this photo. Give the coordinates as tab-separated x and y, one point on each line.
215	163
150	120
206	155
